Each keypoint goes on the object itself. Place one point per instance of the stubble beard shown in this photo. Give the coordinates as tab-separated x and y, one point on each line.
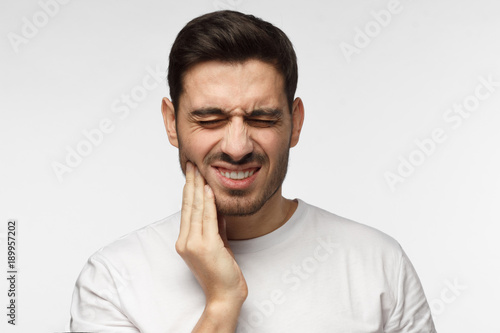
239	202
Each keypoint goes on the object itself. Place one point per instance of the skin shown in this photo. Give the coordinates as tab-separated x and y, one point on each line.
232	117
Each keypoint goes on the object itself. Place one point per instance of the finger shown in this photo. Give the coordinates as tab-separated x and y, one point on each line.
196	225
221	221
187	202
210	227
221	224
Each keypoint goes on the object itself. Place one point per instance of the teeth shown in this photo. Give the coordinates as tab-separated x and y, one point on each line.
237	175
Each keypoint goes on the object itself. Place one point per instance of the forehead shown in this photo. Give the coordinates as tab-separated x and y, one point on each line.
243	85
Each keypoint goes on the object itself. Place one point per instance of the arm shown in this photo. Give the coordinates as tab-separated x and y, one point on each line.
96	305
203	245
411	313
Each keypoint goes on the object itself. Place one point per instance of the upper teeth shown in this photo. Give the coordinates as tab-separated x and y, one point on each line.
237	175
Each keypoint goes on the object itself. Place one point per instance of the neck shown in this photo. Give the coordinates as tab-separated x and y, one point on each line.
275	212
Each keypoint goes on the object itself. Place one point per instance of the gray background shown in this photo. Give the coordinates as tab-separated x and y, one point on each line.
364	111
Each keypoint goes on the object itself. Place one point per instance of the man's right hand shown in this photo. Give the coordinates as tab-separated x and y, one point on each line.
203	245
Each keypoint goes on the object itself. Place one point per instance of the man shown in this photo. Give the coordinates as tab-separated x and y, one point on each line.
239	256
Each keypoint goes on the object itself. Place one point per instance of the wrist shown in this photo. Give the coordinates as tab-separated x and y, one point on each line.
225	306
219	316
227	297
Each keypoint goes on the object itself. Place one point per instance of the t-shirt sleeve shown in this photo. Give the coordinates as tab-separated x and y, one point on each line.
96	303
411	313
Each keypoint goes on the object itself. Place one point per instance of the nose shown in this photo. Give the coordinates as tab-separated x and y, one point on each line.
236	141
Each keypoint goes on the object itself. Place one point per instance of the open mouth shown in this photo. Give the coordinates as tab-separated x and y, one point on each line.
237	174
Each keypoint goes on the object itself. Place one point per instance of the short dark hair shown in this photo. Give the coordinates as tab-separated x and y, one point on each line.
231	36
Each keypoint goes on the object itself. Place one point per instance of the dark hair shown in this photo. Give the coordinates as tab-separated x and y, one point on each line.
230	36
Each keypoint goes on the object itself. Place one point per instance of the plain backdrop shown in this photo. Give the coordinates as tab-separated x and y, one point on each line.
379	79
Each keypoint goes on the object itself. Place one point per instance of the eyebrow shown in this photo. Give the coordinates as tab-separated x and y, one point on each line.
206	112
277	113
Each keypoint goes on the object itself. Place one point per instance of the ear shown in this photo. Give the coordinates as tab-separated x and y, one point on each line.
297	121
168	112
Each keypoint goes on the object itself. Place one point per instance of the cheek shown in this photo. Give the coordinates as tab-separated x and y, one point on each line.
272	142
198	145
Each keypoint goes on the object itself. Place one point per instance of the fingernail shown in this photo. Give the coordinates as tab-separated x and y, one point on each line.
197	171
207	189
189	166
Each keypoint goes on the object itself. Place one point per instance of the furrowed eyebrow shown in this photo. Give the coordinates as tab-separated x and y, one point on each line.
207	112
275	113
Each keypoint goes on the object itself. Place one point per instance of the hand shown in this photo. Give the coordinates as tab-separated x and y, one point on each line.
203	245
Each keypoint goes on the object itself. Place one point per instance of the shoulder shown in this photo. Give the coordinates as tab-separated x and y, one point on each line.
351	235
157	237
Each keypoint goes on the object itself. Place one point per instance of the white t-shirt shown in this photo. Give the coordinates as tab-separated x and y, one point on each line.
317	273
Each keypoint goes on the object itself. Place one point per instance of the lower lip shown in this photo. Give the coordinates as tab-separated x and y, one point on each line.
236	184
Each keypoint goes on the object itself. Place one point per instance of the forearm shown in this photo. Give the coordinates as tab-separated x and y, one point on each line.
220	317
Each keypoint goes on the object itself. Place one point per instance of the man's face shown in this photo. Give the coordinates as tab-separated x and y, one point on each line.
234	124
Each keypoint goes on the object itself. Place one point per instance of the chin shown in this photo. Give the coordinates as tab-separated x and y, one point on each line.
238	206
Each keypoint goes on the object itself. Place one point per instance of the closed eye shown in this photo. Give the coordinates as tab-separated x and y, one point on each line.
211	123
252	122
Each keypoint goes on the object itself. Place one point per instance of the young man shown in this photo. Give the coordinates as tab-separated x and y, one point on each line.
239	256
